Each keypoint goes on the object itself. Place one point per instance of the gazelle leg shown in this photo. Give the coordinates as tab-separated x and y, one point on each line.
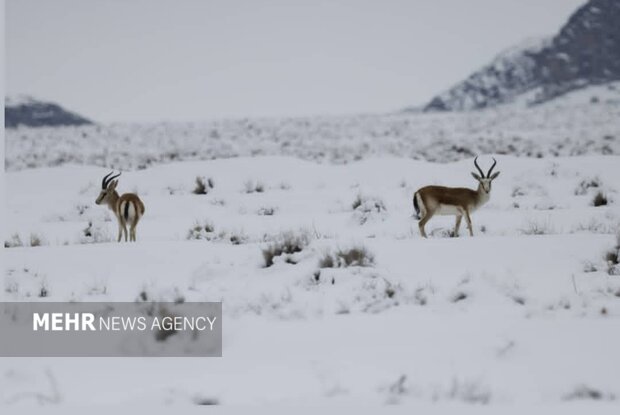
457	225
132	233
427	216
468	220
122	228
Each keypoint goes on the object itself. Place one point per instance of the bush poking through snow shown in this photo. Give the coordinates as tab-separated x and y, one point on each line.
287	243
612	257
206	231
43	291
466	391
203	186
584	392
36	240
366	208
538	228
202	230
599	199
205	401
459	296
253	187
266	211
358	256
14	242
587	184
94	234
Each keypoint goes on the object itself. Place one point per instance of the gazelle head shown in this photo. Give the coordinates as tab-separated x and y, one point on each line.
108	185
485	181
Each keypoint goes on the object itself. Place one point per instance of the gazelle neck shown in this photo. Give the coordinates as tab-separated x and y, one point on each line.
113	200
483	196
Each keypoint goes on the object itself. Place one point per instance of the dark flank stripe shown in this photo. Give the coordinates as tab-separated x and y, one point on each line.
126	213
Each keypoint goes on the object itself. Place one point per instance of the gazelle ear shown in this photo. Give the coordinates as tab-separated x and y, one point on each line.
494	175
112	185
476	176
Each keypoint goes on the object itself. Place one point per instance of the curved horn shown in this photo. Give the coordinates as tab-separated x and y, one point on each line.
491	169
106	180
478	167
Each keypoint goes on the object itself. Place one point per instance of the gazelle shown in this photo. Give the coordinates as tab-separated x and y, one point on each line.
127	208
458	201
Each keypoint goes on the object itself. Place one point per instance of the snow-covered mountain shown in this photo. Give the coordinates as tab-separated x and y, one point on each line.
27	111
585	52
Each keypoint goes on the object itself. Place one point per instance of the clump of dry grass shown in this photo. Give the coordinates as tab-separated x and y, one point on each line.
599	199
203	185
586	184
251	186
358	256
201	230
287	243
367	207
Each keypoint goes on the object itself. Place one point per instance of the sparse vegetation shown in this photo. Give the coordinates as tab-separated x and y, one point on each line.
358	256
43	290
367	207
584	392
459	296
203	185
201	230
36	240
205	401
287	243
599	199
205	230
466	391
266	211
612	257
251	186
94	234
533	227
586	184
14	242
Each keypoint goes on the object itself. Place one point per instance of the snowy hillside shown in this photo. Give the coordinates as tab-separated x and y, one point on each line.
585	52
366	312
582	122
510	74
23	110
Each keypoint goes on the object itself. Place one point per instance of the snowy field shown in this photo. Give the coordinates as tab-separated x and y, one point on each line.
584	122
366	311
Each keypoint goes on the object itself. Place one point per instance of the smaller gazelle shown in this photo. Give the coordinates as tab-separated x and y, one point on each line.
458	201
127	208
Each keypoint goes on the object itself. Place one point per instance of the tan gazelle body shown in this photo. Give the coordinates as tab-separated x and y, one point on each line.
128	208
458	201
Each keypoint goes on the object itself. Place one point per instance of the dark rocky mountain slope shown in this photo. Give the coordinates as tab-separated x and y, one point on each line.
29	112
585	52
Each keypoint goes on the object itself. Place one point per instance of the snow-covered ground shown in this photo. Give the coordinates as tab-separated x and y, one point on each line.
524	313
584	122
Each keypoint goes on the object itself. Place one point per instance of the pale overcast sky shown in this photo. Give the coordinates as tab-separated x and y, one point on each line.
149	60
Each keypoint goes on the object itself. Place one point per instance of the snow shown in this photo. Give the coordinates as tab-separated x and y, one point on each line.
568	126
522	315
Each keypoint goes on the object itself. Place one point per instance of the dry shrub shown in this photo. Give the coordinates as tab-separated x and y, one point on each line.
358	256
599	199
203	186
287	243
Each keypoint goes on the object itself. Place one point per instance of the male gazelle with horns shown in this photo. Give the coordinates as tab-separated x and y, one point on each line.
458	201
127	208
